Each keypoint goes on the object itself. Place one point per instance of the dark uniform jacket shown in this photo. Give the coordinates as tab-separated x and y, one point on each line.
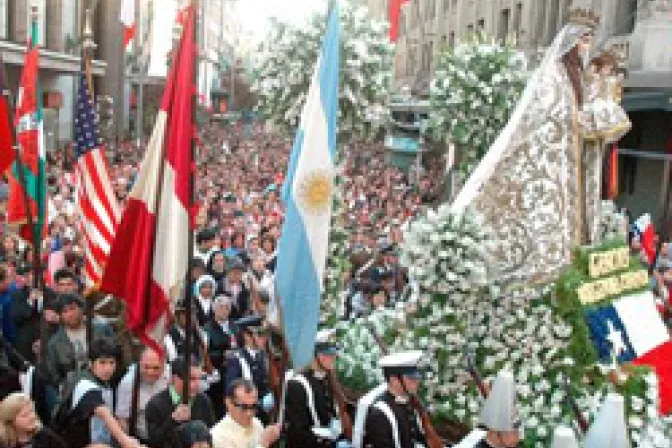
219	343
299	416
258	367
179	342
378	430
162	429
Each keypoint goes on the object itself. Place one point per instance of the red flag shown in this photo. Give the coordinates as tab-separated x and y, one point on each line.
7	153
644	228
127	18
613	172
395	12
148	264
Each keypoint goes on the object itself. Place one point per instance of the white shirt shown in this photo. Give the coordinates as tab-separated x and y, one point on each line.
229	434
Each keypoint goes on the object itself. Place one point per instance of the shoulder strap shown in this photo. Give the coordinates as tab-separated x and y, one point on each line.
362	410
301	379
244	366
81	389
385	409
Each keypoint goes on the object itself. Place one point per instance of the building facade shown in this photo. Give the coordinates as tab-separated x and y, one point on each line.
640	29
59	31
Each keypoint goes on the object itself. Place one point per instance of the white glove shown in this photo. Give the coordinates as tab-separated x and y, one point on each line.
268	402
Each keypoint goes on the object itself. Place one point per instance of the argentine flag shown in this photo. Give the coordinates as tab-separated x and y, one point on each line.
630	329
307	193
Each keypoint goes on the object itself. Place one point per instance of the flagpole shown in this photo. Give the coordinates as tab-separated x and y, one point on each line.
188	331
26	199
88	47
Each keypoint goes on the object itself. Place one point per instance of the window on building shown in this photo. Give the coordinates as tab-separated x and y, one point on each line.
446	5
470	28
517	14
504	16
451	39
4	16
430	55
444	41
431	9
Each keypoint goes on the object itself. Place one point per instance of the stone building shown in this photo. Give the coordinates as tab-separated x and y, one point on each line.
59	29
640	29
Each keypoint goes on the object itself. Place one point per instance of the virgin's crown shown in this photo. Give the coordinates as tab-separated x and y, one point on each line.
585	17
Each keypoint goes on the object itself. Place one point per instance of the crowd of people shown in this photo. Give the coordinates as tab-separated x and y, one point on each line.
91	385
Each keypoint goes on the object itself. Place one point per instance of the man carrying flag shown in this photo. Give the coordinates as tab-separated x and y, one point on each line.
307	193
27	177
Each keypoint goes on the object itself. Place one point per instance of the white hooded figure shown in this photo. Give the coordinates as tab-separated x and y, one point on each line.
563	437
499	413
499	410
609	429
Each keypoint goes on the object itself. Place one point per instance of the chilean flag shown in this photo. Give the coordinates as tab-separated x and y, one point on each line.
147	264
630	329
127	18
644	228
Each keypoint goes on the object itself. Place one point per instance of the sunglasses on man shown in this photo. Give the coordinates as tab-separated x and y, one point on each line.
246	407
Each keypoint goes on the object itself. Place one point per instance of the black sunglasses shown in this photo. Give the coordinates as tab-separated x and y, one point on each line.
246	407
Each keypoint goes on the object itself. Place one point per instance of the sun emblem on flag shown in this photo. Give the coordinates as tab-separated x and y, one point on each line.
315	191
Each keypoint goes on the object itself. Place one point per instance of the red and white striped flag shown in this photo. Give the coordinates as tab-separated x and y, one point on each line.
96	201
148	262
127	18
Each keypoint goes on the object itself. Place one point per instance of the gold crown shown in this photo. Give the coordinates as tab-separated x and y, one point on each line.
586	17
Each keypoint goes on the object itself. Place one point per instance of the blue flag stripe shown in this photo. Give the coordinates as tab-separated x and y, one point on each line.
598	323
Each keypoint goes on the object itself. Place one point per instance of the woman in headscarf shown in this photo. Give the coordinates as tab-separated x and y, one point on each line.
216	266
535	189
205	288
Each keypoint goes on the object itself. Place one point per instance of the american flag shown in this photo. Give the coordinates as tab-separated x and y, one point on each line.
98	205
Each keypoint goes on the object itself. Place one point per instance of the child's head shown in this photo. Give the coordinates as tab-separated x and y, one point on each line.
195	434
103	356
605	63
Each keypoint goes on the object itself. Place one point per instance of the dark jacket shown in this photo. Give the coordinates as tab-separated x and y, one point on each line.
219	343
45	438
299	420
378	430
162	429
26	319
61	352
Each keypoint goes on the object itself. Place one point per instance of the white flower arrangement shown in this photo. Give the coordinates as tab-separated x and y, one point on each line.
614	223
287	58
472	94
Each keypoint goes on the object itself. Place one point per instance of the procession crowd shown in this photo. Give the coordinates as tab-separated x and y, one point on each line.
92	385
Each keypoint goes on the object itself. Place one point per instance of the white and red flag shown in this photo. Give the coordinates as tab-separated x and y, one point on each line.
148	260
127	18
647	234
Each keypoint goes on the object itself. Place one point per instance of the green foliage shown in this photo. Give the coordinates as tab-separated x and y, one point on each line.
288	58
475	87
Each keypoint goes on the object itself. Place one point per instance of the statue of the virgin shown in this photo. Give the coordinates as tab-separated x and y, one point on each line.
530	188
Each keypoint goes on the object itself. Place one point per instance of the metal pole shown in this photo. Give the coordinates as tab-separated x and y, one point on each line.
188	331
88	47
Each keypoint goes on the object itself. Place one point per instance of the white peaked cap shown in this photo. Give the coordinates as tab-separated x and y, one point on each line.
499	410
609	430
402	359
326	335
563	437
